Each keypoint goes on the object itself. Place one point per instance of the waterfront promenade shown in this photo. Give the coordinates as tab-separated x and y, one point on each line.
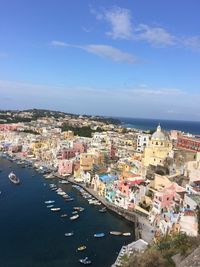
143	229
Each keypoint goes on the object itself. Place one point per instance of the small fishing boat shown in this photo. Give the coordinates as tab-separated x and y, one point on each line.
78	208
13	178
103	210
98	235
74	217
49	201
69	199
74	212
81	248
126	234
69	234
63	182
55	209
50	206
115	233
85	261
63	215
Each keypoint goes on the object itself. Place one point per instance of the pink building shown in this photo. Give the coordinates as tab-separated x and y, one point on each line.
79	147
126	186
8	127
68	153
168	198
65	167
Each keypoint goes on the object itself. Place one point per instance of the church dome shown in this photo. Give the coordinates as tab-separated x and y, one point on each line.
158	135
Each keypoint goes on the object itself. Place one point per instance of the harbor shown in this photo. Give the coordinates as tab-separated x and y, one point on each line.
36	235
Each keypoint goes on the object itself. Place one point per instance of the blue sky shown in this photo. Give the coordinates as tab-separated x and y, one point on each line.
119	58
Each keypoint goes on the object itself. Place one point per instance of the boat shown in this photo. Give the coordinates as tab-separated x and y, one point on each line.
85	261
126	234
78	208
69	199
115	233
50	206
98	235
63	215
69	234
13	178
74	217
55	209
74	212
103	209
63	182
81	248
49	201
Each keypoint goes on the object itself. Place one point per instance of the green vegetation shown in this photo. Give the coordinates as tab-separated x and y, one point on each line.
30	131
161	253
84	131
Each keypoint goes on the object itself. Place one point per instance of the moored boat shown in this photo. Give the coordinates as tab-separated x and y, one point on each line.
69	234
50	206
13	178
103	210
115	233
81	248
85	261
49	201
63	215
98	235
74	217
55	209
126	234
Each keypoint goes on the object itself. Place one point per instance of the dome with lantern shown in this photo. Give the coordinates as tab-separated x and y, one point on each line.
159	135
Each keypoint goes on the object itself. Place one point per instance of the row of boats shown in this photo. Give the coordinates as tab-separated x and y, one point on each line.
92	201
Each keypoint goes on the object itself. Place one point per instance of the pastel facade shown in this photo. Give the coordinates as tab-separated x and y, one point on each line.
65	167
86	161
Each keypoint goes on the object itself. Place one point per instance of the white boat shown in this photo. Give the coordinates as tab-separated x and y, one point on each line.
13	178
85	261
69	234
49	201
74	217
63	215
55	209
50	206
126	234
115	233
63	182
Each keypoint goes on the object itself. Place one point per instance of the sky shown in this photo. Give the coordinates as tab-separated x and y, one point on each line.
127	58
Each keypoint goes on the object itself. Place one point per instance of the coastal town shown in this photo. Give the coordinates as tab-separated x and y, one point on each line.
150	177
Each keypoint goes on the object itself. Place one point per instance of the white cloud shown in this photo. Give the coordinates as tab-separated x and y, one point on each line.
121	27
58	43
101	50
154	35
111	53
191	42
120	21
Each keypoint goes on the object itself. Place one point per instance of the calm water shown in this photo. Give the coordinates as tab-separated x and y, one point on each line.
149	124
33	236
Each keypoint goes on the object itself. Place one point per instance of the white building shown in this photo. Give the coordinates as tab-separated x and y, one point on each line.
142	141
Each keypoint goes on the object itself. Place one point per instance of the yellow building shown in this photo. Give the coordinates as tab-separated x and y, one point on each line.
158	149
68	134
86	161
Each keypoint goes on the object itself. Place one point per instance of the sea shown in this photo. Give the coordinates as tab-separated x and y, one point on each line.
33	236
192	127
